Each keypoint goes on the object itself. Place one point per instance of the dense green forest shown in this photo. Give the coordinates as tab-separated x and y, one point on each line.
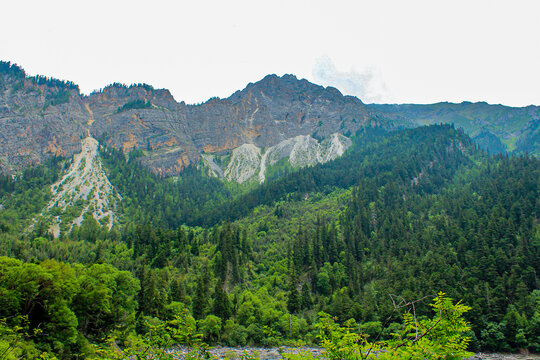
496	128
402	215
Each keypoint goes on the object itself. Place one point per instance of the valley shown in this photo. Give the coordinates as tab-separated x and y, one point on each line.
287	215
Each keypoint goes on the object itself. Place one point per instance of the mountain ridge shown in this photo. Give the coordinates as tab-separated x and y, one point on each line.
497	128
172	134
42	117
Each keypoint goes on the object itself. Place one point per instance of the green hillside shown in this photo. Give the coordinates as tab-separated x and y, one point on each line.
402	215
496	128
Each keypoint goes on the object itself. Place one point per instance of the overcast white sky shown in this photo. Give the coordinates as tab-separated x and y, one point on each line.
381	51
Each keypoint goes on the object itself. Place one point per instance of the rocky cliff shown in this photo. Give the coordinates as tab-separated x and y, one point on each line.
263	114
38	120
249	162
42	117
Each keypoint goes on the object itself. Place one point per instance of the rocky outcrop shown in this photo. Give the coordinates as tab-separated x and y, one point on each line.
213	168
245	162
38	119
303	150
249	162
42	117
263	114
334	146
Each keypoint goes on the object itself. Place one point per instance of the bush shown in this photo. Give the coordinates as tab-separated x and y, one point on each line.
442	337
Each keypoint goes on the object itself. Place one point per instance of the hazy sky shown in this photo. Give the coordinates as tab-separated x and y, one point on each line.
381	51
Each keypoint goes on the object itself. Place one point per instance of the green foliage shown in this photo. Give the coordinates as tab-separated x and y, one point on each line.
341	342
166	203
441	337
234	334
106	300
210	327
15	340
156	341
60	97
10	69
404	213
135	104
58	301
489	125
61	85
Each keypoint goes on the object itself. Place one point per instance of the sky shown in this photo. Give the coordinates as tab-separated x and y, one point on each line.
412	51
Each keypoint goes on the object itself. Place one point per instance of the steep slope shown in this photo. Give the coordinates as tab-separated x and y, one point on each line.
39	118
244	163
304	151
248	160
200	200
86	186
424	157
496	128
42	117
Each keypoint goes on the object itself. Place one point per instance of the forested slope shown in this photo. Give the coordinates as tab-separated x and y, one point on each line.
407	213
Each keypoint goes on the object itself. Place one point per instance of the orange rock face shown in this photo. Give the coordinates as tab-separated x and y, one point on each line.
138	121
228	145
54	148
182	162
251	134
131	144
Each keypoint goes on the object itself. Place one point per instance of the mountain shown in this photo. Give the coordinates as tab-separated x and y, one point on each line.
42	117
329	205
496	128
401	216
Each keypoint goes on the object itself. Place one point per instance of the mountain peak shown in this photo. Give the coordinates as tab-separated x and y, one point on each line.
173	134
289	87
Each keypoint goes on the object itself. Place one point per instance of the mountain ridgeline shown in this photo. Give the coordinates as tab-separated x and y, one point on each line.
172	135
239	220
496	128
43	117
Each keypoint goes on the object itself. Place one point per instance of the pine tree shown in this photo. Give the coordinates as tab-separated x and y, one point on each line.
222	304
293	296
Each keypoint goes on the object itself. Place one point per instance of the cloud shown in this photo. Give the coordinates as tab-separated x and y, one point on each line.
366	85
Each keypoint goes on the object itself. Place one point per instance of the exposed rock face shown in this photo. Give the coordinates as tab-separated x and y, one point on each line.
334	146
213	168
38	121
42	117
173	135
303	150
263	114
247	162
87	184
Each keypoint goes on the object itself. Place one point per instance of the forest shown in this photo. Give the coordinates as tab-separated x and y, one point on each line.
317	256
